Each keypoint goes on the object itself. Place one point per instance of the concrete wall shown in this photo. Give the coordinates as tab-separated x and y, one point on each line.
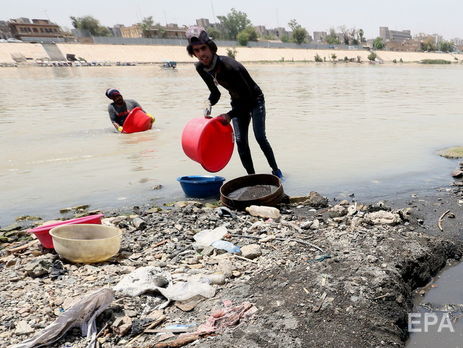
155	53
33	51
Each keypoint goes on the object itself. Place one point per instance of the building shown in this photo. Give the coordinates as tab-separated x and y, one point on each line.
276	33
394	35
27	30
5	31
132	32
319	36
203	22
116	30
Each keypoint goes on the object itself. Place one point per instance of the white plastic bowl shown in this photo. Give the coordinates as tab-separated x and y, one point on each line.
86	243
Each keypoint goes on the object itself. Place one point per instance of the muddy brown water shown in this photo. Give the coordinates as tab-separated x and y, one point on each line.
343	128
252	192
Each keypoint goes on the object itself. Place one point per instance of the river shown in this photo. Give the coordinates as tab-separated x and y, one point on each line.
335	128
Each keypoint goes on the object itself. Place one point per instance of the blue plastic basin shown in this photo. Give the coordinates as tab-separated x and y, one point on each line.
201	186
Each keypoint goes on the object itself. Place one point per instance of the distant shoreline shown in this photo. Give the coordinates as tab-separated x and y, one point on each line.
10	53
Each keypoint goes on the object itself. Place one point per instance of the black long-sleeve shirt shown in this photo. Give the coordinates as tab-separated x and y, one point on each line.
234	77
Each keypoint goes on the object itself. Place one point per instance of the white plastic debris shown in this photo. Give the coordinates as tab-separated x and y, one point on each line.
82	314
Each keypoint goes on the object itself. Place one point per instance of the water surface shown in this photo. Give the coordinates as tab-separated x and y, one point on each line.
368	129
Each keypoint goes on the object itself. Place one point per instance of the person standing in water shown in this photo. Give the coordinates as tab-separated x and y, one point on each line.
247	99
120	108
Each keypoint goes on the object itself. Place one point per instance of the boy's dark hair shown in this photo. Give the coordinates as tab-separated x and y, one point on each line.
196	35
210	43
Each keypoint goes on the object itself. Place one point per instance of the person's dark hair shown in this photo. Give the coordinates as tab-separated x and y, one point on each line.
196	35
210	43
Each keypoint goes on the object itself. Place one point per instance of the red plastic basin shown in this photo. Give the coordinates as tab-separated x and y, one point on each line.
208	142
137	121
43	232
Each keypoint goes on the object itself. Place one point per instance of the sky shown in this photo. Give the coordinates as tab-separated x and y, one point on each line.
420	16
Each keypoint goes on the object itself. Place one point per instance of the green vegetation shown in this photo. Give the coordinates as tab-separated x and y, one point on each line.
145	25
231	52
428	45
394	61
453	152
214	33
435	61
372	56
378	43
233	23
332	38
299	33
246	35
333	57
446	46
318	58
91	25
284	38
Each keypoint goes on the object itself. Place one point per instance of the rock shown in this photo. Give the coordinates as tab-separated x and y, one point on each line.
225	267
315	225
337	211
251	251
378	206
457	173
122	325
383	218
139	223
23	328
10	228
157	187
316	200
38	268
298	199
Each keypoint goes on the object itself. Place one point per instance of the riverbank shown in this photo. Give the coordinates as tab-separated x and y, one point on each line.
145	54
327	273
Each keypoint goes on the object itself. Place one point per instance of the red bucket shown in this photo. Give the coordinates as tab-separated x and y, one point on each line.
137	121
43	232
208	142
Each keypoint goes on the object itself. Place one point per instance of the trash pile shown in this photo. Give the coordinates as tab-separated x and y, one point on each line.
181	272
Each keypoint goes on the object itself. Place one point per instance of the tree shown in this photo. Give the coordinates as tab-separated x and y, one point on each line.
299	33
91	25
428	44
246	35
233	23
214	33
332	37
372	56
146	25
446	46
360	34
243	38
345	34
284	38
378	43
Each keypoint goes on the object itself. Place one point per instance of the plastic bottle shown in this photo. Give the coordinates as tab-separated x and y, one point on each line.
263	211
227	246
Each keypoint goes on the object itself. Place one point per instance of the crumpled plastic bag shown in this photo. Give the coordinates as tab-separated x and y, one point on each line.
149	278
207	237
82	314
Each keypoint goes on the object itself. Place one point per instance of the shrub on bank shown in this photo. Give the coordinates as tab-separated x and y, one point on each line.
435	61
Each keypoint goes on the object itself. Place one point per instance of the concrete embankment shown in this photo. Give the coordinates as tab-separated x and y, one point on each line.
157	53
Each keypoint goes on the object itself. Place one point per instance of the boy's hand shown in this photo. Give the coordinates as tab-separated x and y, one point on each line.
225	119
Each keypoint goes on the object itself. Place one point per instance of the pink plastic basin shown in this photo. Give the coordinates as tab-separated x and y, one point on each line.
137	121
43	232
208	142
